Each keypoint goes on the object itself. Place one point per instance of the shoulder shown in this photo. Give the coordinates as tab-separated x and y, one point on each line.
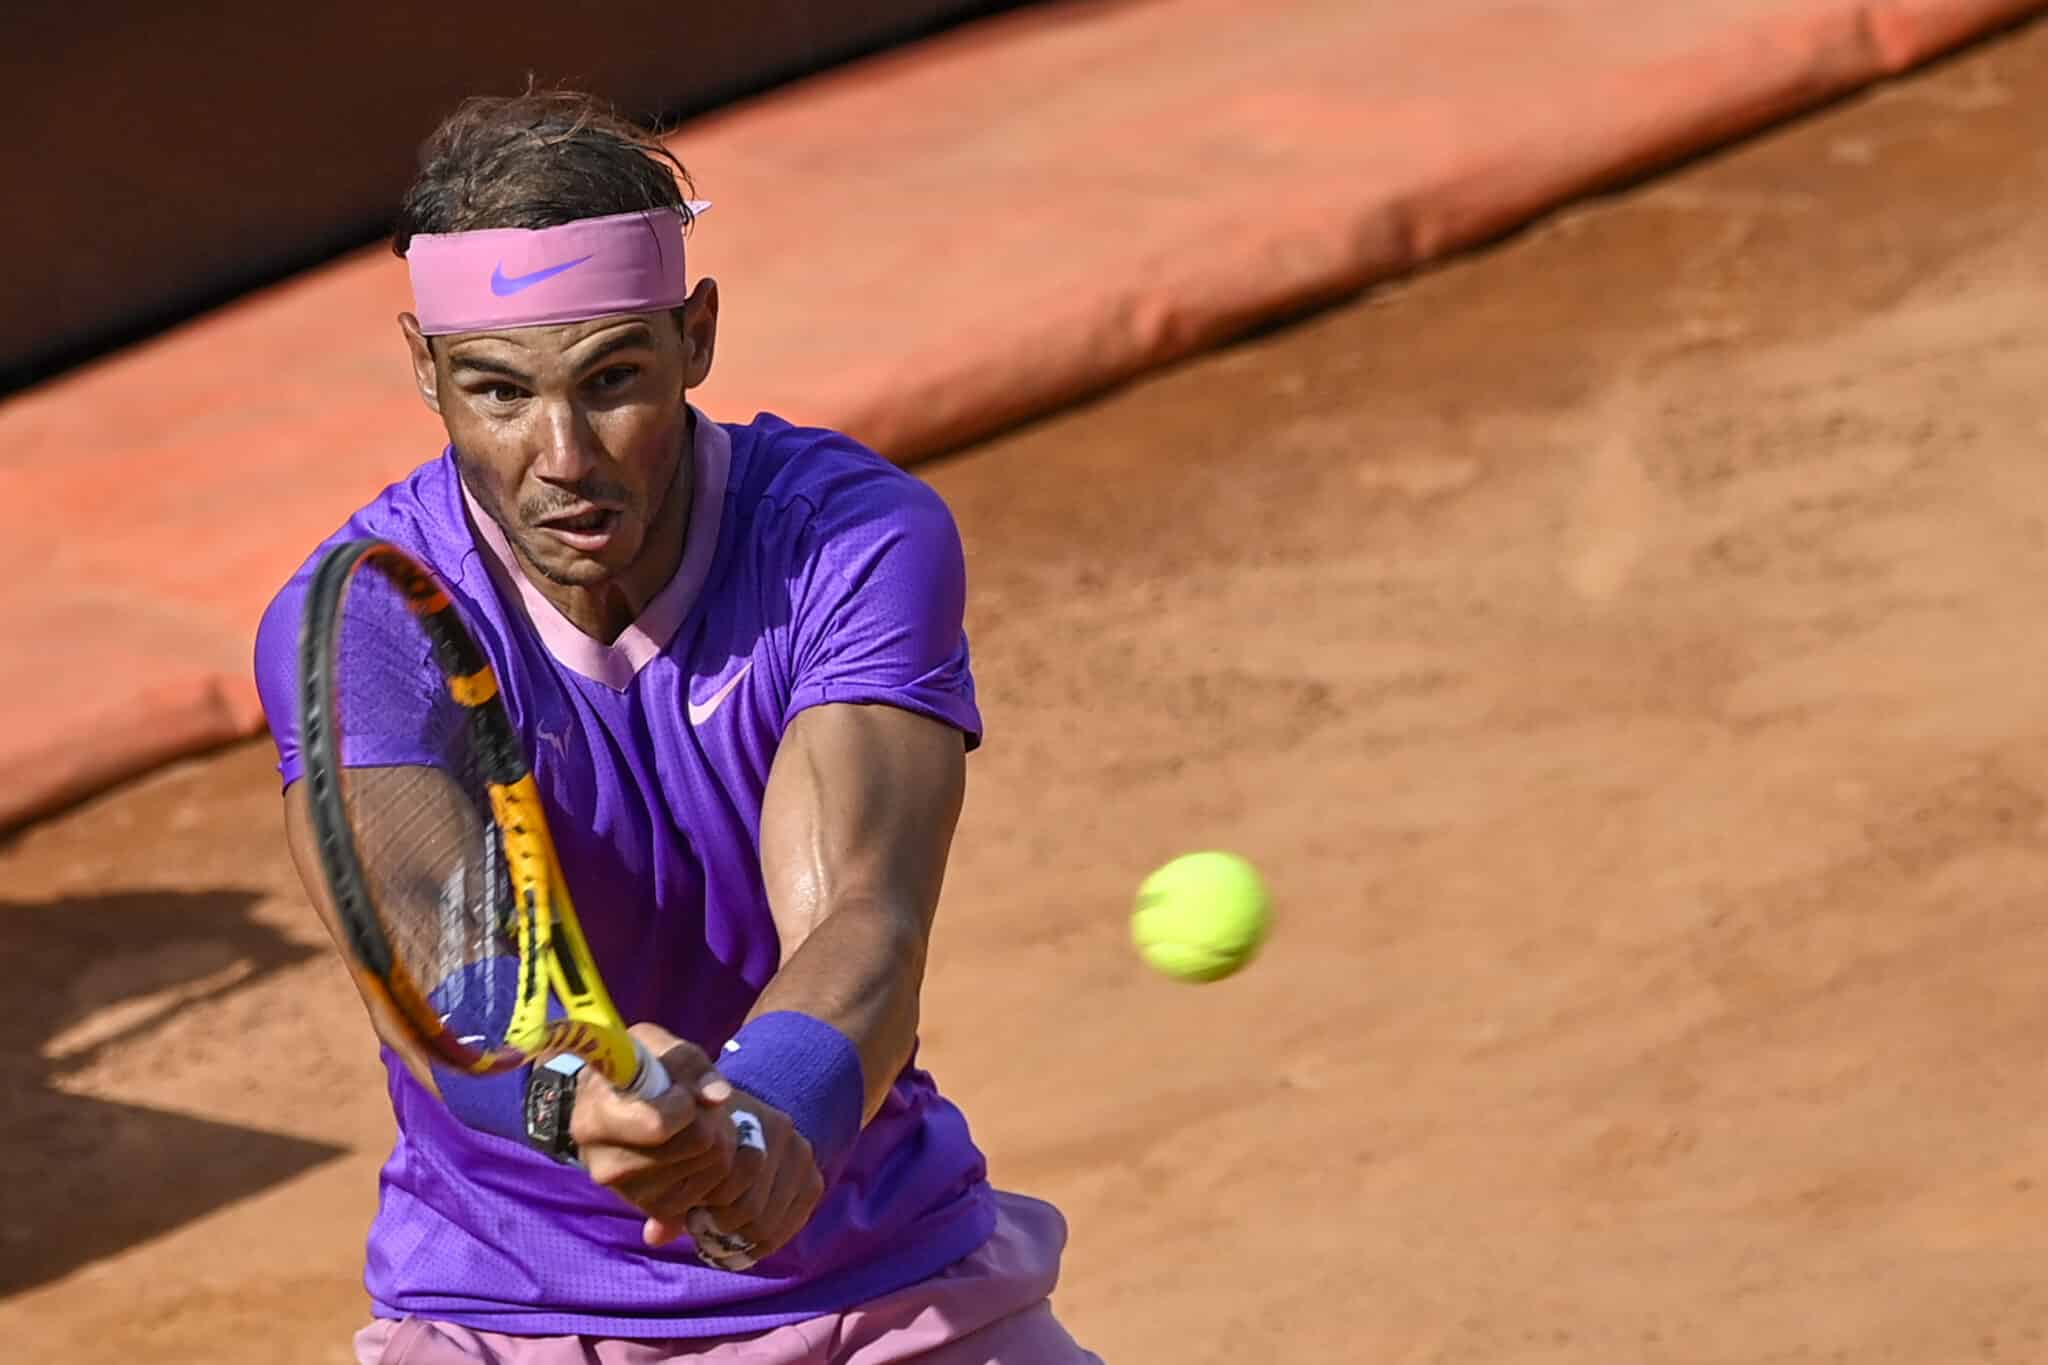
421	513
783	471
862	563
821	492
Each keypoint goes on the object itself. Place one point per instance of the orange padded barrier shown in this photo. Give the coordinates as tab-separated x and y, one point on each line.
918	249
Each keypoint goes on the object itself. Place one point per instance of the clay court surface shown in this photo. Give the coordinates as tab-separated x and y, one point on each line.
1623	649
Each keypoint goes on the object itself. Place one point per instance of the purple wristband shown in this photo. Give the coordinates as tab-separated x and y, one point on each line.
807	1069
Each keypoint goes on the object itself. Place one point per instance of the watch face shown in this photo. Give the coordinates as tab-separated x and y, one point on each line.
550	1098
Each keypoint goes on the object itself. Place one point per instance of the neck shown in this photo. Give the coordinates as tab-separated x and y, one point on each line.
604	610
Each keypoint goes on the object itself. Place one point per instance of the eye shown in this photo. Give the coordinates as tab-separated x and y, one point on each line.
612	378
501	393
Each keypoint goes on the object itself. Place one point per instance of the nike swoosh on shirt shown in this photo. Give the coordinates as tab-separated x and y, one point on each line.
504	285
700	711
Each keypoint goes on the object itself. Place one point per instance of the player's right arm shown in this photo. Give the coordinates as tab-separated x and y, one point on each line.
298	831
276	668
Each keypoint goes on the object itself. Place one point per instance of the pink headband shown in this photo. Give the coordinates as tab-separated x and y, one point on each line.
534	277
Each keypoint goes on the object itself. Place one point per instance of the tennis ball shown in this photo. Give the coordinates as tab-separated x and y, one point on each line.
1201	916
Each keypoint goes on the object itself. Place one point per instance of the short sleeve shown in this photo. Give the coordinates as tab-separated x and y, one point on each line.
879	612
277	673
391	708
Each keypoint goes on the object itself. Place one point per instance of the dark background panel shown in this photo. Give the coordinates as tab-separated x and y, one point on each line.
160	158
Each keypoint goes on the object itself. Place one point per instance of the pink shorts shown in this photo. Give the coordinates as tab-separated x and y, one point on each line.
992	1308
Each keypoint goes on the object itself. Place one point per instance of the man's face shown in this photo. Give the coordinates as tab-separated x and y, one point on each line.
570	436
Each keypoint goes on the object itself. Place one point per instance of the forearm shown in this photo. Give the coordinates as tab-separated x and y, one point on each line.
855	828
298	824
860	970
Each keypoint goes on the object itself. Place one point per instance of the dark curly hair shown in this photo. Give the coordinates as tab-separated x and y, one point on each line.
536	160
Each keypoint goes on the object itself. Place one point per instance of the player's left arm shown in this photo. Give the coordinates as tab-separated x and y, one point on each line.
856	826
857	822
855	831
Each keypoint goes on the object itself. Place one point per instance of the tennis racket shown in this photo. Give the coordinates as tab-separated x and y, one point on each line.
434	846
431	835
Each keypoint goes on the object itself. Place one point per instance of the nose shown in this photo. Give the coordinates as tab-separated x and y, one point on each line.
569	449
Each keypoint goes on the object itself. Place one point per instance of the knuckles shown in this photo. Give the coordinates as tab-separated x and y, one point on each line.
801	1149
683	1061
593	1129
608	1166
627	1144
601	1119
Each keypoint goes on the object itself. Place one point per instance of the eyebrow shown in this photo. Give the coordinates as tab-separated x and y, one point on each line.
636	335
485	365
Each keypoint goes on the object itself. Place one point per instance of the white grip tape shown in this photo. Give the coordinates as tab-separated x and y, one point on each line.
653	1077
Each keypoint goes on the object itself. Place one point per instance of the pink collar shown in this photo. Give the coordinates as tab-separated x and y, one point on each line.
616	665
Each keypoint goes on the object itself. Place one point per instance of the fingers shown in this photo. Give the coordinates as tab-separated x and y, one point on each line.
764	1198
767	1218
660	1230
749	1159
771	1212
700	1159
605	1116
625	1142
736	1167
660	1184
688	1068
643	1148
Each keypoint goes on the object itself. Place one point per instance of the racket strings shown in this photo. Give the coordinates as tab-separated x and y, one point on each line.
420	814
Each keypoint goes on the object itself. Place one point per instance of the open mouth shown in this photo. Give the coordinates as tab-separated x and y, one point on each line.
588	529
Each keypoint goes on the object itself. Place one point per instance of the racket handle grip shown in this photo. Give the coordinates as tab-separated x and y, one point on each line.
652	1077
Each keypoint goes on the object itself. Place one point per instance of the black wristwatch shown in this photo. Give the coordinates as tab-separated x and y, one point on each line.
550	1103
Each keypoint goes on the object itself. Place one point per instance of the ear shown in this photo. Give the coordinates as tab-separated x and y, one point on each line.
700	332
424	376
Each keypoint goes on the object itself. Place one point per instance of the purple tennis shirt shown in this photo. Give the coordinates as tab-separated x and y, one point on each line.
814	572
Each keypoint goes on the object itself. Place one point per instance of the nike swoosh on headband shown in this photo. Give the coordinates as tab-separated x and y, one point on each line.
473	280
504	286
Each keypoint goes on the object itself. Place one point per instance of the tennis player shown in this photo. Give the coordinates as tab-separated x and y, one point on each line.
735	653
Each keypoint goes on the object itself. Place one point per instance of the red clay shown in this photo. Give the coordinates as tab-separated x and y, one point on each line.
1620	649
921	250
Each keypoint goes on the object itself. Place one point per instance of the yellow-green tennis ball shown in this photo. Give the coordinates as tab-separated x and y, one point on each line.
1200	917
